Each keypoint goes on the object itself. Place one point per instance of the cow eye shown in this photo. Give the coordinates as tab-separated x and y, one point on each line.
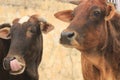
97	13
32	30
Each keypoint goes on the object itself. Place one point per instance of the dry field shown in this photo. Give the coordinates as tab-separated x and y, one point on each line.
58	62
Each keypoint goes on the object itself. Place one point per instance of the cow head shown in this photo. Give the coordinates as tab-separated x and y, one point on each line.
87	24
26	44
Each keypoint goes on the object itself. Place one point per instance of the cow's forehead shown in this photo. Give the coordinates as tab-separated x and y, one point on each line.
89	3
24	19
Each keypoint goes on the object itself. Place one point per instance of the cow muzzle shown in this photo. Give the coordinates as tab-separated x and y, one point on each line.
67	37
14	65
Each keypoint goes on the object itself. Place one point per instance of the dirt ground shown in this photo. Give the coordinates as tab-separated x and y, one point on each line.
58	62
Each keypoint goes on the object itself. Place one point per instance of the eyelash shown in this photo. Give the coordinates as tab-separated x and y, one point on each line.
96	13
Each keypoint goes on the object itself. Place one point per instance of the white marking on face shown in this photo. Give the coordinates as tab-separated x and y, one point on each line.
24	19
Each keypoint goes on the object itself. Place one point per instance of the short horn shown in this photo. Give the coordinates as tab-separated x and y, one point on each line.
75	2
42	20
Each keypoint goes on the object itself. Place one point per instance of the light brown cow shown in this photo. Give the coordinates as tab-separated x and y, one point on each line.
95	31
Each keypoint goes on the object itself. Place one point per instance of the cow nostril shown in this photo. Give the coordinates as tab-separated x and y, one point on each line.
12	58
71	34
67	35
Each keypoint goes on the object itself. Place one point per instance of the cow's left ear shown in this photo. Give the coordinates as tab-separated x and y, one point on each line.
65	15
46	27
110	11
4	32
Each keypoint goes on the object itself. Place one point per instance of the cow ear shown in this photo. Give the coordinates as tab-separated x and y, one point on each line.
65	16
110	11
4	32
46	27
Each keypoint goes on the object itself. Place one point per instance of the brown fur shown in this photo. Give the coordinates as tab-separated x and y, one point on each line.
97	37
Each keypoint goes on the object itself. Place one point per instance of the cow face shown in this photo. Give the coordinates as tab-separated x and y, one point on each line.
87	23
26	44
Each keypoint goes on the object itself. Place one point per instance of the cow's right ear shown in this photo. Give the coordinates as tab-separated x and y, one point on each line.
46	27
110	11
65	16
4	32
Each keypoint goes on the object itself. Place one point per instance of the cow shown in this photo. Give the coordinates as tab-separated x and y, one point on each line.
26	47
94	30
4	47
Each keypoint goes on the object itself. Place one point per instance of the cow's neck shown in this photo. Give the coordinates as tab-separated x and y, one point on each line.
112	49
97	58
113	29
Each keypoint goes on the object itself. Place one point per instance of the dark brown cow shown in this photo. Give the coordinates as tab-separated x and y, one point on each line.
25	52
4	47
95	31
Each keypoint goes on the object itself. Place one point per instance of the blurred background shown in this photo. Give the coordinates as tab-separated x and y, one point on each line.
58	62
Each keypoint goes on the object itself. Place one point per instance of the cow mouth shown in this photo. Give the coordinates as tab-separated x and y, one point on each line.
65	43
15	67
69	43
17	72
